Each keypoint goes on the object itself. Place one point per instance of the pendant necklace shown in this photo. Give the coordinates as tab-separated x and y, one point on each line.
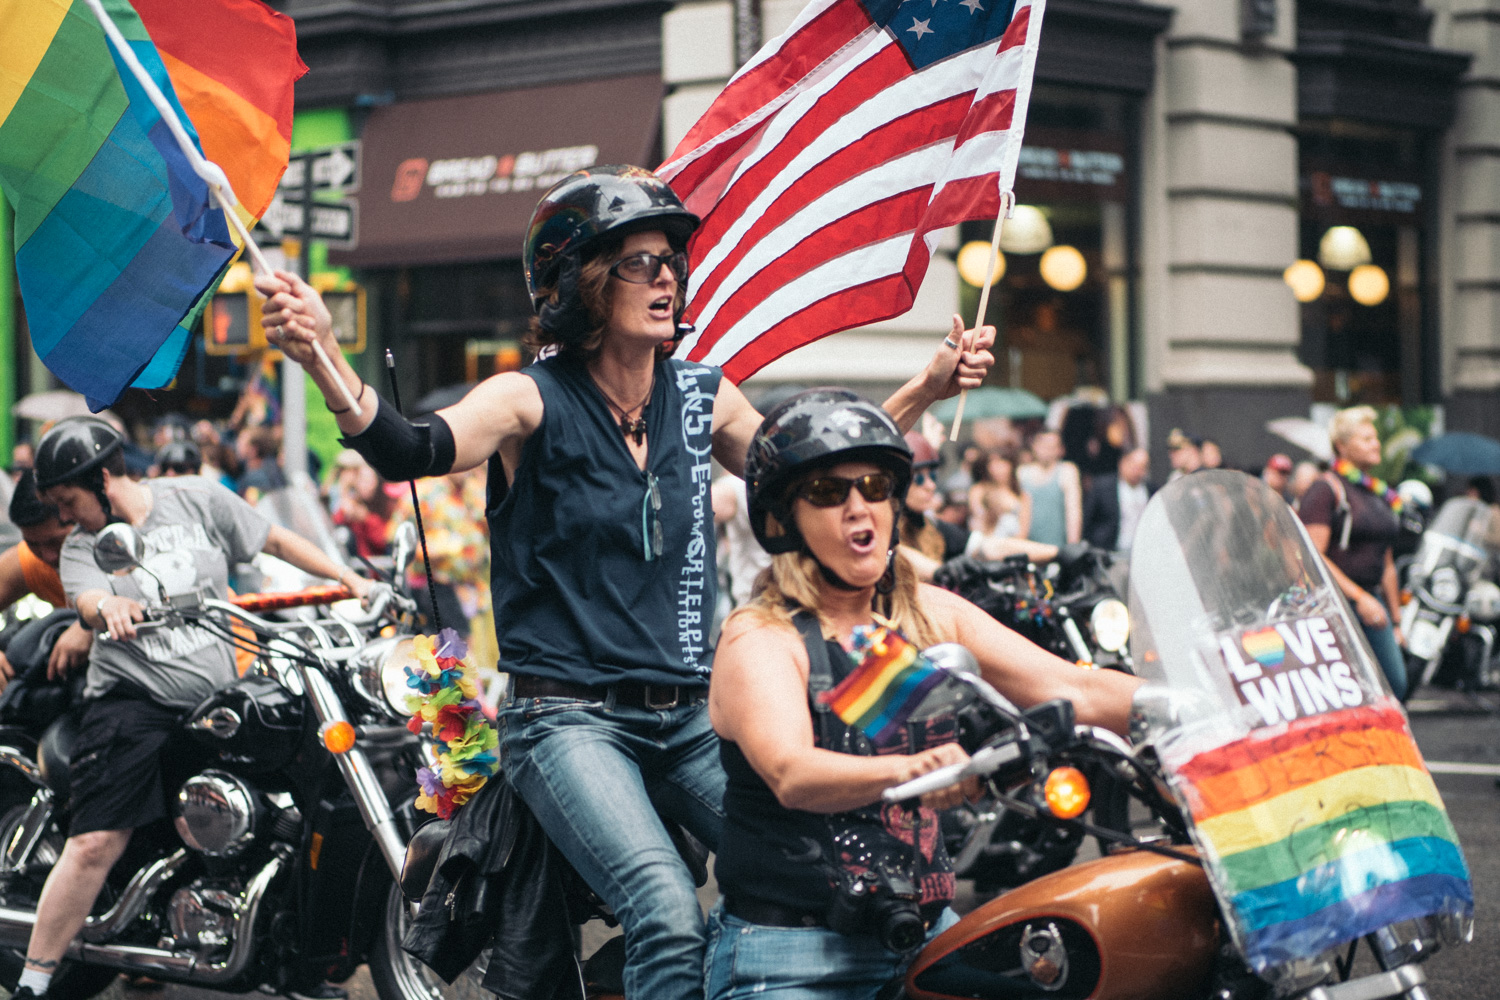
630	428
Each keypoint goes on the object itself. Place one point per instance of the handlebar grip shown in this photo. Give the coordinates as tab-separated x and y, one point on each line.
291	599
148	625
986	760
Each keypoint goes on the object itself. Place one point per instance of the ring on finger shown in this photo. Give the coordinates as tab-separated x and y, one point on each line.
948	341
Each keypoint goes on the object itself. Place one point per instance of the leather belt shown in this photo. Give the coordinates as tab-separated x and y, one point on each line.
758	911
632	694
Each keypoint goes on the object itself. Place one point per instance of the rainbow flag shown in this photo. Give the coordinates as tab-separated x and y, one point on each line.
233	64
888	683
1322	831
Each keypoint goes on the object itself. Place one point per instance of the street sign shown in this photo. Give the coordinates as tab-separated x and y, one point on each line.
334	168
335	222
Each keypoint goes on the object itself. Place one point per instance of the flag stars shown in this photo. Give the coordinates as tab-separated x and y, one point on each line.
920	27
973	5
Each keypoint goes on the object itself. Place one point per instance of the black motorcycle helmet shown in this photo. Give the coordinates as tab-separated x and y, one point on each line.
75	451
812	430
181	457
576	212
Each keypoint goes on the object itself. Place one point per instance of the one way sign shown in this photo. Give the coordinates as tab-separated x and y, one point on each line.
334	168
337	223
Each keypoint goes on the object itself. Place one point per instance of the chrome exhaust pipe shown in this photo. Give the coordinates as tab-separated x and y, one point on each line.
181	966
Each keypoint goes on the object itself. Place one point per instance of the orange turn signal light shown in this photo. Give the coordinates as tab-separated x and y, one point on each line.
1405	597
1066	792
338	737
1464	624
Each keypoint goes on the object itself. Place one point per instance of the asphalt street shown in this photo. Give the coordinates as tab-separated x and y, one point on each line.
1455	737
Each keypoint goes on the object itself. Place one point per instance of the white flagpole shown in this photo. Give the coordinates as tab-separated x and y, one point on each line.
1010	155
212	175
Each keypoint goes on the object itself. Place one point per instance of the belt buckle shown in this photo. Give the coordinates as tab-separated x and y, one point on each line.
646	695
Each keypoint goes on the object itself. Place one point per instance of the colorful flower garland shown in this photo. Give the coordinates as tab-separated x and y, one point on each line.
447	695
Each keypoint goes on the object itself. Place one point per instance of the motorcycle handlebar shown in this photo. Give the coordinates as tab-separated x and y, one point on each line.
986	761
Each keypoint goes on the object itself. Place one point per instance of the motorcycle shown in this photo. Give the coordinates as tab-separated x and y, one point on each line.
1276	763
1450	617
276	869
1070	607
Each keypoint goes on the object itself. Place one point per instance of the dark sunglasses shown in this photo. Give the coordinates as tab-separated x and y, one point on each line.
642	268
923	477
830	491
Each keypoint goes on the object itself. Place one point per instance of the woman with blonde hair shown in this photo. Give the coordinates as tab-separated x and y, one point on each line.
804	822
1352	518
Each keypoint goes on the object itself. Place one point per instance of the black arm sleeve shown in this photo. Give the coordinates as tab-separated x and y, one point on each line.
399	449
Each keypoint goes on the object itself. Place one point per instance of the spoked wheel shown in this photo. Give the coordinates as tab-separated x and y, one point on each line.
398	976
72	981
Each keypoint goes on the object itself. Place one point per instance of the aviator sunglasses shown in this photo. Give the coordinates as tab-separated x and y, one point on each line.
830	491
642	268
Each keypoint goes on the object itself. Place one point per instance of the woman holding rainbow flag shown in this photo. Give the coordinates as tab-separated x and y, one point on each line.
601	537
805	834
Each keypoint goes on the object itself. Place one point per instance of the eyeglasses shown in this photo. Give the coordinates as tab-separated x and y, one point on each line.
651	519
830	491
642	268
923	477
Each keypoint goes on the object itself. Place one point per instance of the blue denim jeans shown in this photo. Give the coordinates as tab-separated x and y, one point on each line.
596	775
797	963
1388	654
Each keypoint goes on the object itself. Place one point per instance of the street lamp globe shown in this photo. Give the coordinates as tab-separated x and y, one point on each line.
1064	268
973	258
1026	231
1306	280
1343	248
1369	285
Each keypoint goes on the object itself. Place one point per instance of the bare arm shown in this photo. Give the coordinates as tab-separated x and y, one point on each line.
946	374
735	424
306	556
1024	516
499	414
1072	501
1028	674
726	499
758	700
12	580
1392	588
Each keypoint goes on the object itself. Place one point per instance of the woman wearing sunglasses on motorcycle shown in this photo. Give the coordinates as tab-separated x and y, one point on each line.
808	850
601	531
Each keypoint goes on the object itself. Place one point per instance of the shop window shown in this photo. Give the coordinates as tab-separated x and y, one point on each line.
1062	305
462	322
1363	245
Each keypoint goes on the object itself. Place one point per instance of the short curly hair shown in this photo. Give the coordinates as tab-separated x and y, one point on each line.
1346	422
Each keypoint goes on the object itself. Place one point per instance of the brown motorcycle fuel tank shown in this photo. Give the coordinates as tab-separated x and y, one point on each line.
1131	926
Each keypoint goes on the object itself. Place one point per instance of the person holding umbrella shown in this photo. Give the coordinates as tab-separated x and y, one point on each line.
1351	517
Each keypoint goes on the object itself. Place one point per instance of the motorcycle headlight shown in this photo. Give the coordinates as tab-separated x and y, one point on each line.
1445	586
379	674
1110	623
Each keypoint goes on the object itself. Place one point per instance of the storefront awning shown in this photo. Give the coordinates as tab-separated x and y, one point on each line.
456	178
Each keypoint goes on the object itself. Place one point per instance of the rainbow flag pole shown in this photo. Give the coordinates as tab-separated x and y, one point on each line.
209	171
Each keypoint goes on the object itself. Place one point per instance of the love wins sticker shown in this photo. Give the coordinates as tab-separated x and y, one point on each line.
1291	670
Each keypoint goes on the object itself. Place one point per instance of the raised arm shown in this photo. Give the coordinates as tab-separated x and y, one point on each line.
950	370
499	414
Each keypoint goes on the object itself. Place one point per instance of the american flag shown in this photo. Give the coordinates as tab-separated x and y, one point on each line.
827	168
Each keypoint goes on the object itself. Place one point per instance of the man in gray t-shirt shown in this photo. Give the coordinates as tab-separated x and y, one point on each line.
139	683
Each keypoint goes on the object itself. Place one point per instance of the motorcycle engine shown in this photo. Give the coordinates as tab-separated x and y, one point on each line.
216	814
201	916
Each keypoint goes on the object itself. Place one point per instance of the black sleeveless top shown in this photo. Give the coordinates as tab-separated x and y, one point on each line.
769	853
583	593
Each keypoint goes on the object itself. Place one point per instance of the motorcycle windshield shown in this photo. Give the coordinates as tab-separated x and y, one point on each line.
1456	537
1308	798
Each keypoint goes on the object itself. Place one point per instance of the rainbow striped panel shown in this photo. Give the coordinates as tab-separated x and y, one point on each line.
1322	831
886	686
117	244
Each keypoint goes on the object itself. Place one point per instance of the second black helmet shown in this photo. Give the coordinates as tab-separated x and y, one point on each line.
73	448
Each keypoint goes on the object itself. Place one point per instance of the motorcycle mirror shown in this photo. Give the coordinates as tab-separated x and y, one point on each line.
404	546
118	548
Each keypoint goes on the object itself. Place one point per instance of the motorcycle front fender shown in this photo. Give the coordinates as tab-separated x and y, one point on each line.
1131	926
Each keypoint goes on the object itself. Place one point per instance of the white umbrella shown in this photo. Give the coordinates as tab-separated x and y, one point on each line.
1309	435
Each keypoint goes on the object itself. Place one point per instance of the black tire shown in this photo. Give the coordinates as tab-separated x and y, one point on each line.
72	981
398	976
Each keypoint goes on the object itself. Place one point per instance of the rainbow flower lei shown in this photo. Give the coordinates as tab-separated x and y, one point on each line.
446	694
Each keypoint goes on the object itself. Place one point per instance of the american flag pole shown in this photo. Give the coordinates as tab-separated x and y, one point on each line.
1009	158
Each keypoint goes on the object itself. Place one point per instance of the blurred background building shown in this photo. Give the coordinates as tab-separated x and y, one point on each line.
1231	209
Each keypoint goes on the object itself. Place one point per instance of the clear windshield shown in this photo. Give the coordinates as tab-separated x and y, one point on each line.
1308	798
1456	537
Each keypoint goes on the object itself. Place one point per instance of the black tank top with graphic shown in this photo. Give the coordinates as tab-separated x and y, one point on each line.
769	853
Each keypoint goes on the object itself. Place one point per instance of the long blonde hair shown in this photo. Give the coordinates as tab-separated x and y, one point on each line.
794	582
